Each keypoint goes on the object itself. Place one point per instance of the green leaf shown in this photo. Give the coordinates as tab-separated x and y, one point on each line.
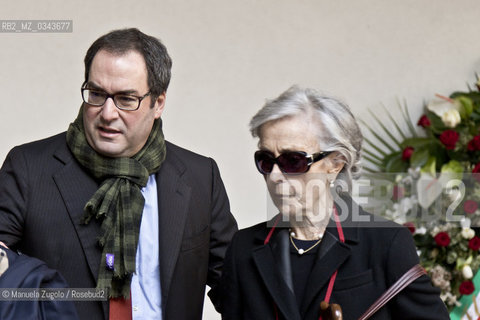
406	117
419	158
379	138
371	154
430	166
453	169
452	166
394	163
423	240
378	175
437	125
417	143
369	170
374	162
438	151
387	131
394	123
475	116
474	96
374	146
466	107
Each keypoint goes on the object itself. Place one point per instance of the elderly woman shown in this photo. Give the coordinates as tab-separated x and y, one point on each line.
321	246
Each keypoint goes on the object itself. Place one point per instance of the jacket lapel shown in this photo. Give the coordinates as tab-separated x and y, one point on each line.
281	252
332	254
174	198
273	263
76	188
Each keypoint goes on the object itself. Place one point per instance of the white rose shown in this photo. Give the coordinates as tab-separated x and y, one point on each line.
451	118
465	223
467	272
468	233
405	205
421	230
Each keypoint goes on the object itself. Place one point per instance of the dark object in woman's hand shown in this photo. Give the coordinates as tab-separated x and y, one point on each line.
330	311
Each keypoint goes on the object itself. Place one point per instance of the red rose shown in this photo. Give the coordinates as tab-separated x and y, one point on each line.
476	172
442	239
474	243
424	121
471	146
449	138
410	226
474	144
470	206
398	193
466	287
407	153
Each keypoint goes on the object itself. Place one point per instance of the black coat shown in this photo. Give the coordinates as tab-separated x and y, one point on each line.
43	191
257	277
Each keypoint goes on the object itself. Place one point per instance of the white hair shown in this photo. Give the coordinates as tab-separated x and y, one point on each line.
338	129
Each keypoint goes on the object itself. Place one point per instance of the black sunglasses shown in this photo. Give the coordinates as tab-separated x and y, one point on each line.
290	162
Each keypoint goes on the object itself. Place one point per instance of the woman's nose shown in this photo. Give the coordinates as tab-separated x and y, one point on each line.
276	175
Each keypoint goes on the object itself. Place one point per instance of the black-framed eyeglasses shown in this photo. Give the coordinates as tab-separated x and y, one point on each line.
96	97
290	162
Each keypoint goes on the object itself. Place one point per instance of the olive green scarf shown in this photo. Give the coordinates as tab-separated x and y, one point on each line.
118	202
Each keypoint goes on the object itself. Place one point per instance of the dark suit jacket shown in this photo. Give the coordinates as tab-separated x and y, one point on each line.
43	190
28	272
257	278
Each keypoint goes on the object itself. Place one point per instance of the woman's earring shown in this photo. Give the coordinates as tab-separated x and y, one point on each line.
332	183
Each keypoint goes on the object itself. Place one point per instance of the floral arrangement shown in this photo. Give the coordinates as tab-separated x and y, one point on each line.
433	186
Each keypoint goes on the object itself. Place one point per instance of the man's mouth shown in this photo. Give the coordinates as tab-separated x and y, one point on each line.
108	131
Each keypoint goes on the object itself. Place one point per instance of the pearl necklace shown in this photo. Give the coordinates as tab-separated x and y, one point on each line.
301	251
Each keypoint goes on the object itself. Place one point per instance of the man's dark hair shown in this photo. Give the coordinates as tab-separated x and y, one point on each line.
157	60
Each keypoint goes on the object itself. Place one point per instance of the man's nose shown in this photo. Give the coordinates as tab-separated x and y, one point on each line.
109	110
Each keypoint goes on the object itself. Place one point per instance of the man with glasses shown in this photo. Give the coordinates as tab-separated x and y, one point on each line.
111	204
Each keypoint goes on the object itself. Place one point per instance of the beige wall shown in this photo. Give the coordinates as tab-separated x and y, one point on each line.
231	55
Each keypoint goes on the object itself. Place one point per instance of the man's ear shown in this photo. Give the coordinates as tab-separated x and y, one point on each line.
160	105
